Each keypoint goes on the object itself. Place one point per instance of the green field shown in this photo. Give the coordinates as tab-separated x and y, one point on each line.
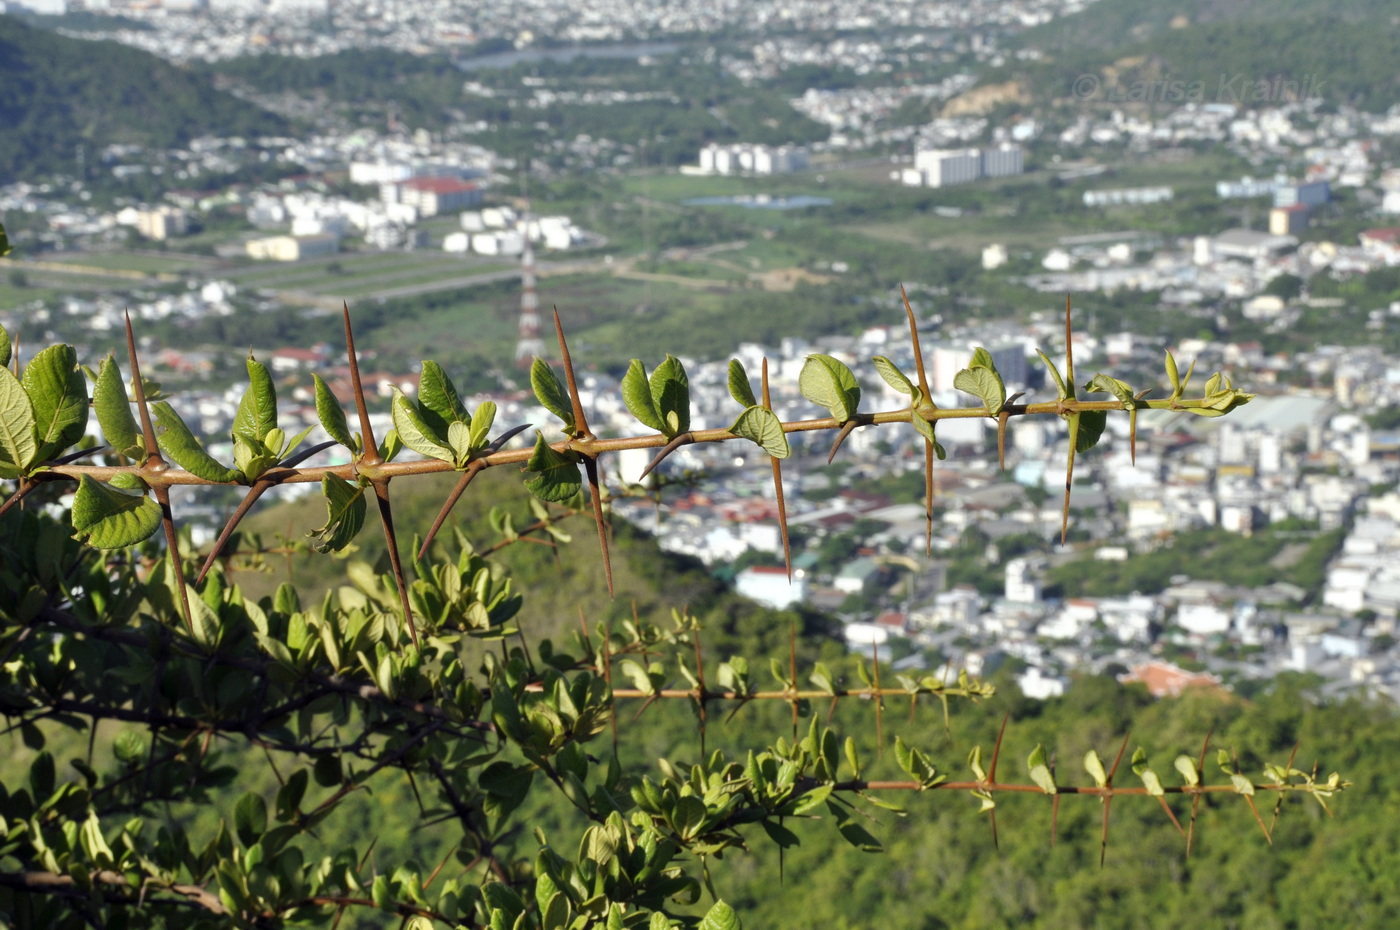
144	262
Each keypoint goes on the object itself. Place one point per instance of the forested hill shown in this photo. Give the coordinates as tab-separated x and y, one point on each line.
1109	24
1337	59
57	93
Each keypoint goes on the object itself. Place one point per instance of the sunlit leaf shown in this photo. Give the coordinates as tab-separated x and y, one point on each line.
113	409
257	411
106	518
438	403
178	442
332	417
549	391
557	477
762	426
416	433
739	387
58	392
893	376
345	505
18	444
828	383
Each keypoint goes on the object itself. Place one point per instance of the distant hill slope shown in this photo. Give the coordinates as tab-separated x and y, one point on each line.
1114	23
1344	60
57	93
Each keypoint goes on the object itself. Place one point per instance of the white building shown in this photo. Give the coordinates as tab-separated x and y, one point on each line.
1002	161
946	167
769	585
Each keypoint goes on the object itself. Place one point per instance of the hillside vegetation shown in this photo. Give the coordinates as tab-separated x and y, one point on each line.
57	93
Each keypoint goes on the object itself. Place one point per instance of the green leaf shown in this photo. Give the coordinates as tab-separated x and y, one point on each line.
1065	390
828	383
5	348
925	429
113	409
178	442
1187	767
689	817
982	383
106	518
1040	772
636	394
1173	375
257	411
893	376
250	818
345	506
482	420
762	426
549	391
557	477
1094	766
739	387
58	393
416	433
4	250
332	417
670	391
438	403
1104	384
720	917
18	444
1091	427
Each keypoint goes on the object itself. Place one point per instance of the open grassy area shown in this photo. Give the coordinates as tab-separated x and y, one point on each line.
145	262
364	273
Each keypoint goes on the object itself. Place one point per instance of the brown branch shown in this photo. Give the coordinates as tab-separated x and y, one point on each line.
53	883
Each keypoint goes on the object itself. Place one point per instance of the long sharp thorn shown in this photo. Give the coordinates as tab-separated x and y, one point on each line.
792	671
996	750
683	439
846	429
590	465
1167	807
1069	478
172	545
580	422
386	517
1054	807
1002	417
506	437
1103	839
1196	799
778	486
879	705
1259	820
1069	348
914	339
148	433
1118	758
700	690
1278	804
928	498
25	486
155	462
256	491
992	780
370	455
467	475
